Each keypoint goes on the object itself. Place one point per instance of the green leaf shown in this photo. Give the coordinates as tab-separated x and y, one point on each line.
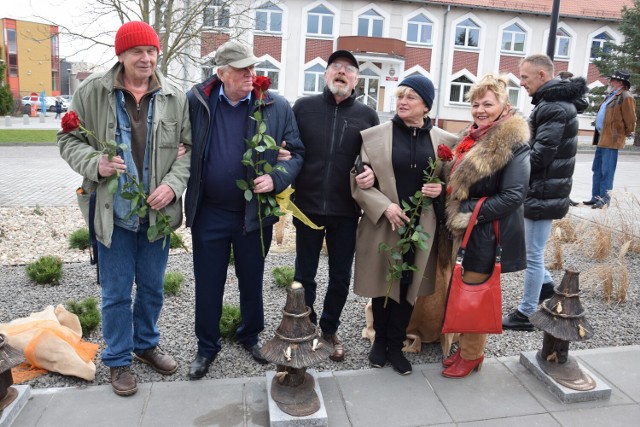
401	230
260	148
405	205
248	195
257	115
112	184
127	195
267	211
123	147
417	194
271	143
142	211
152	232
242	184
396	256
272	201
262	127
267	168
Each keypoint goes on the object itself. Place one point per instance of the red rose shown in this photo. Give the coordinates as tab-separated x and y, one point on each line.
262	83
444	153
70	122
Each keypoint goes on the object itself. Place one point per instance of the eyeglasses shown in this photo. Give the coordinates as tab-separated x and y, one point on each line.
337	66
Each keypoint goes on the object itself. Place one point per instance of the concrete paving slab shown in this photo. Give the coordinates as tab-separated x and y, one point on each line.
620	368
195	403
336	411
540	420
10	413
279	418
490	394
544	396
374	397
256	402
601	391
624	415
34	409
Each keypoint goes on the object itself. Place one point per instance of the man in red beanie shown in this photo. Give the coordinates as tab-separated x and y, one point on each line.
133	105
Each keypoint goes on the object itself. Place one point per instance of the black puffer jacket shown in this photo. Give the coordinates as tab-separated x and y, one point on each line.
330	133
554	130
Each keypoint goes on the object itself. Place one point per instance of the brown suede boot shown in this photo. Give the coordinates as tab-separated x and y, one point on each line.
123	381
338	348
159	360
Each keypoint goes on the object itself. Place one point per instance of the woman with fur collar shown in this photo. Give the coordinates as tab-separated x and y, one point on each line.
492	160
398	152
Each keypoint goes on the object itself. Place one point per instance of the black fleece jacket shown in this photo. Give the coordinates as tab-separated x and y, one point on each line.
330	133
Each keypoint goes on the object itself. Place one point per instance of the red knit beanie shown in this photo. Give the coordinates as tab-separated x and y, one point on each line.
136	33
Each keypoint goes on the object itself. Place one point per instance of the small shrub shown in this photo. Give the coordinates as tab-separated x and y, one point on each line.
230	321
176	241
283	276
38	210
173	282
87	312
47	269
79	239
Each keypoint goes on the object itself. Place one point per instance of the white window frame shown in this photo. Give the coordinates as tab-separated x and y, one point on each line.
264	71
321	16
216	6
467	29
420	30
513	34
318	75
559	39
462	102
601	42
269	9
371	20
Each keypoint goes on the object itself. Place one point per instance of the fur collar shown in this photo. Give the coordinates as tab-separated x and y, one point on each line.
489	155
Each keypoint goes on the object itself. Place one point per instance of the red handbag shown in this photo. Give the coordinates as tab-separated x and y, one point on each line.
474	308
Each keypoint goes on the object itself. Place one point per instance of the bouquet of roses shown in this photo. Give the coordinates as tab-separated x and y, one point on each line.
412	234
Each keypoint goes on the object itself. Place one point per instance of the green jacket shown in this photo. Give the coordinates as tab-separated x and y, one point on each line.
95	104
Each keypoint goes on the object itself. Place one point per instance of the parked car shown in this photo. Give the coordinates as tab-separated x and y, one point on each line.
50	102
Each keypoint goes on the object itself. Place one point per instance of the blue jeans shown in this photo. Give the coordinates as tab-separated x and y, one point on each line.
536	235
340	233
604	168
130	258
214	232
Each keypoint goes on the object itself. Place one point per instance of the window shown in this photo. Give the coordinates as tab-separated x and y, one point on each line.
216	14
599	45
320	21
420	30
314	79
370	24
467	33
563	43
269	18
513	38
12	50
459	88
266	68
208	68
514	93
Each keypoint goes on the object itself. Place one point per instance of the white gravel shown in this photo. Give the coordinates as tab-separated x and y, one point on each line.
28	233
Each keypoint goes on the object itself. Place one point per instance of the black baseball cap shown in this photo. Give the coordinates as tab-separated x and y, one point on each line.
343	54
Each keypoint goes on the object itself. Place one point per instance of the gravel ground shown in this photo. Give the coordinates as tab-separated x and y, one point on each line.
27	233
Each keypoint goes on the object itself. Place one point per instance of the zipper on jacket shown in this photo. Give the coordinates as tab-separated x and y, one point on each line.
412	156
330	156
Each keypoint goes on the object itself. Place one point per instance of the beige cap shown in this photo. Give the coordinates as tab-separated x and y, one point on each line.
235	54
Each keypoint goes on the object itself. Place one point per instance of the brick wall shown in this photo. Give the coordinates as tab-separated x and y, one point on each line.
463	59
509	64
418	56
314	48
593	74
268	45
559	66
211	41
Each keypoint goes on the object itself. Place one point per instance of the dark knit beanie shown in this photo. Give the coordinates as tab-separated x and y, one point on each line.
136	33
422	86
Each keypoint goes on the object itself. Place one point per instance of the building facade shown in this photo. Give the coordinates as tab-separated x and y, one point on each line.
454	43
31	52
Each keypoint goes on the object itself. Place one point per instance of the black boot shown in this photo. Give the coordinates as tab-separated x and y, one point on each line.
399	317
546	292
378	352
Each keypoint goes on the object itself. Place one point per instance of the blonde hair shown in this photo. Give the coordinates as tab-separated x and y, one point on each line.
402	90
490	82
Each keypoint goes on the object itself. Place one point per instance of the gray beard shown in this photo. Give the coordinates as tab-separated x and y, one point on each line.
339	91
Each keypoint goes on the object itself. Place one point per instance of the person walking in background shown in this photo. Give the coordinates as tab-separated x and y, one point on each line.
133	105
330	125
616	120
58	107
399	152
554	129
492	161
222	110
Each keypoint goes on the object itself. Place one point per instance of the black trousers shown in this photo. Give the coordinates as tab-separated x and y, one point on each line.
390	322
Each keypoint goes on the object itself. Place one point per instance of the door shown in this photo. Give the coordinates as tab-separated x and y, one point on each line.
368	88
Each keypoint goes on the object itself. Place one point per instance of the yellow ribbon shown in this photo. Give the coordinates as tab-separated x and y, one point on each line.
286	205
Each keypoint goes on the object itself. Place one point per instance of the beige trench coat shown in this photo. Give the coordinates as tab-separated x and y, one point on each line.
371	265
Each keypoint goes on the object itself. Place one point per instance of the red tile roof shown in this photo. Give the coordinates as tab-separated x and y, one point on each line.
597	9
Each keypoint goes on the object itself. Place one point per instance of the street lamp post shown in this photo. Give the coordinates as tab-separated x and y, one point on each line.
69	72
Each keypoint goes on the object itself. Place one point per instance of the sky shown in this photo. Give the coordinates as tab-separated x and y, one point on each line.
69	13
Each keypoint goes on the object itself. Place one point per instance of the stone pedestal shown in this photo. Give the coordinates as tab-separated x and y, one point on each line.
278	418
564	394
7	121
10	413
25	119
41	117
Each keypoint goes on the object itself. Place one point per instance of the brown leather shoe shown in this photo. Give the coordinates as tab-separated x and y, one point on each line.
338	348
123	381
159	360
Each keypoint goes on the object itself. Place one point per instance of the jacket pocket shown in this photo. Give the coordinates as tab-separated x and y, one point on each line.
168	134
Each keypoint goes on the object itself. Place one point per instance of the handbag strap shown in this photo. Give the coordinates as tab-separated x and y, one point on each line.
472	223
